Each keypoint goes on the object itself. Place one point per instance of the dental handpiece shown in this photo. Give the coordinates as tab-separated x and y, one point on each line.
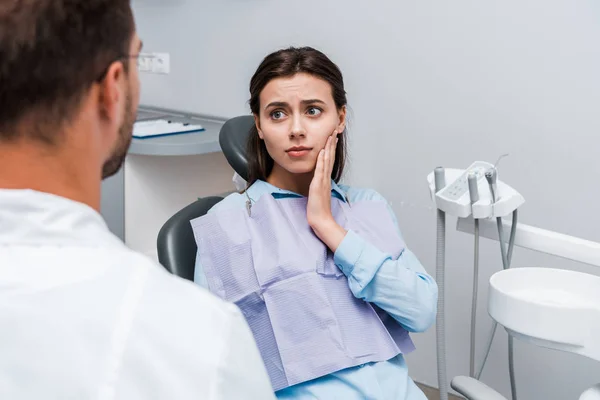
440	178
491	176
473	192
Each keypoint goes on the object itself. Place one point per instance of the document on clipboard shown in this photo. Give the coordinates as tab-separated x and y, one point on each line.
162	127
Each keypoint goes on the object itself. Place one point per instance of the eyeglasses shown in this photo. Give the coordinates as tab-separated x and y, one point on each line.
121	58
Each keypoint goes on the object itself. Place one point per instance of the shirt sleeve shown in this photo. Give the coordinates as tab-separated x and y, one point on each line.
401	287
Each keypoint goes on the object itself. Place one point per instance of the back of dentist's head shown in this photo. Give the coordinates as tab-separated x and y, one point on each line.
69	93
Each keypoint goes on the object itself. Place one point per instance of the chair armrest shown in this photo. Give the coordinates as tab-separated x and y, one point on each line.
472	389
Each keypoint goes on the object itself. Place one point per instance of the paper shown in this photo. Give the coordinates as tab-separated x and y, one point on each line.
239	182
162	127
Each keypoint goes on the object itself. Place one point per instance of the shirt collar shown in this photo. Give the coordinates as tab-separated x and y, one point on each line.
260	187
29	217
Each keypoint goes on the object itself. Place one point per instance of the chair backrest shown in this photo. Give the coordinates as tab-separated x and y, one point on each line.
176	244
233	139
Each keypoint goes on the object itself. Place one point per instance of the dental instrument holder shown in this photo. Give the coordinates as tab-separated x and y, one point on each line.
516	294
468	195
454	199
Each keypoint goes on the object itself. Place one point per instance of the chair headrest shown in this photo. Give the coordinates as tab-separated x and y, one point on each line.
233	139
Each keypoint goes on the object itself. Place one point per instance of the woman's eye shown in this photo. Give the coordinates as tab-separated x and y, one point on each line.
277	114
314	111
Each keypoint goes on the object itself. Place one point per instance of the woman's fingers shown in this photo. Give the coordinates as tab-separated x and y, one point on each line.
320	164
332	146
327	158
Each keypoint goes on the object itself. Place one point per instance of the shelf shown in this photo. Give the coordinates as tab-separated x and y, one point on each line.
186	144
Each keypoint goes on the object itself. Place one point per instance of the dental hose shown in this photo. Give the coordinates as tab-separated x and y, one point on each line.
474	197
494	325
474	301
511	352
440	261
506	260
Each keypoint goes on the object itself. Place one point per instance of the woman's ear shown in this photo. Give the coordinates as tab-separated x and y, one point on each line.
342	120
257	123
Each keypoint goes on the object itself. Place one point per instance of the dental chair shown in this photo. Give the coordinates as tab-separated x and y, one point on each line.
175	243
177	247
233	139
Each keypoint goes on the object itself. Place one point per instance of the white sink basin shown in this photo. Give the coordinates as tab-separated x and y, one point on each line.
552	308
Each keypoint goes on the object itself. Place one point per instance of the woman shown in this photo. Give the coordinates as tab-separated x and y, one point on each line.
319	269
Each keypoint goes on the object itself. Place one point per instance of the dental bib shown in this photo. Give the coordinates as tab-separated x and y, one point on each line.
306	322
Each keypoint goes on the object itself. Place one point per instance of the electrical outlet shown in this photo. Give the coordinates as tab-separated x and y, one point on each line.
156	63
161	63
145	62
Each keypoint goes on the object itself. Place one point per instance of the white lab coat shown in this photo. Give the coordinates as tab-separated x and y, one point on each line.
84	317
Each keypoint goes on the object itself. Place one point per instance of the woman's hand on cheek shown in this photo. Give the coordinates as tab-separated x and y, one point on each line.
318	210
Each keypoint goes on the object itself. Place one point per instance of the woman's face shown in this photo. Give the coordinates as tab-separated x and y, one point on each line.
297	114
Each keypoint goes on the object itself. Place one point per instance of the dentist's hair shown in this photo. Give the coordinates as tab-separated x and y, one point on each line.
51	53
286	63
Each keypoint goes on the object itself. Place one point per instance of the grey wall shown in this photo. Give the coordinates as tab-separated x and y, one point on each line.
112	204
429	83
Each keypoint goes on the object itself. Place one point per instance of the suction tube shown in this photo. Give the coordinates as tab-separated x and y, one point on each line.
474	197
440	182
506	263
491	177
511	351
474	300
511	244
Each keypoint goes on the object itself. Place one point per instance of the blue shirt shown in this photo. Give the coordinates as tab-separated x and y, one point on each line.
400	287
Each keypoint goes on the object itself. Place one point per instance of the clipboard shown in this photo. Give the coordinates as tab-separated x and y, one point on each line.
162	127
